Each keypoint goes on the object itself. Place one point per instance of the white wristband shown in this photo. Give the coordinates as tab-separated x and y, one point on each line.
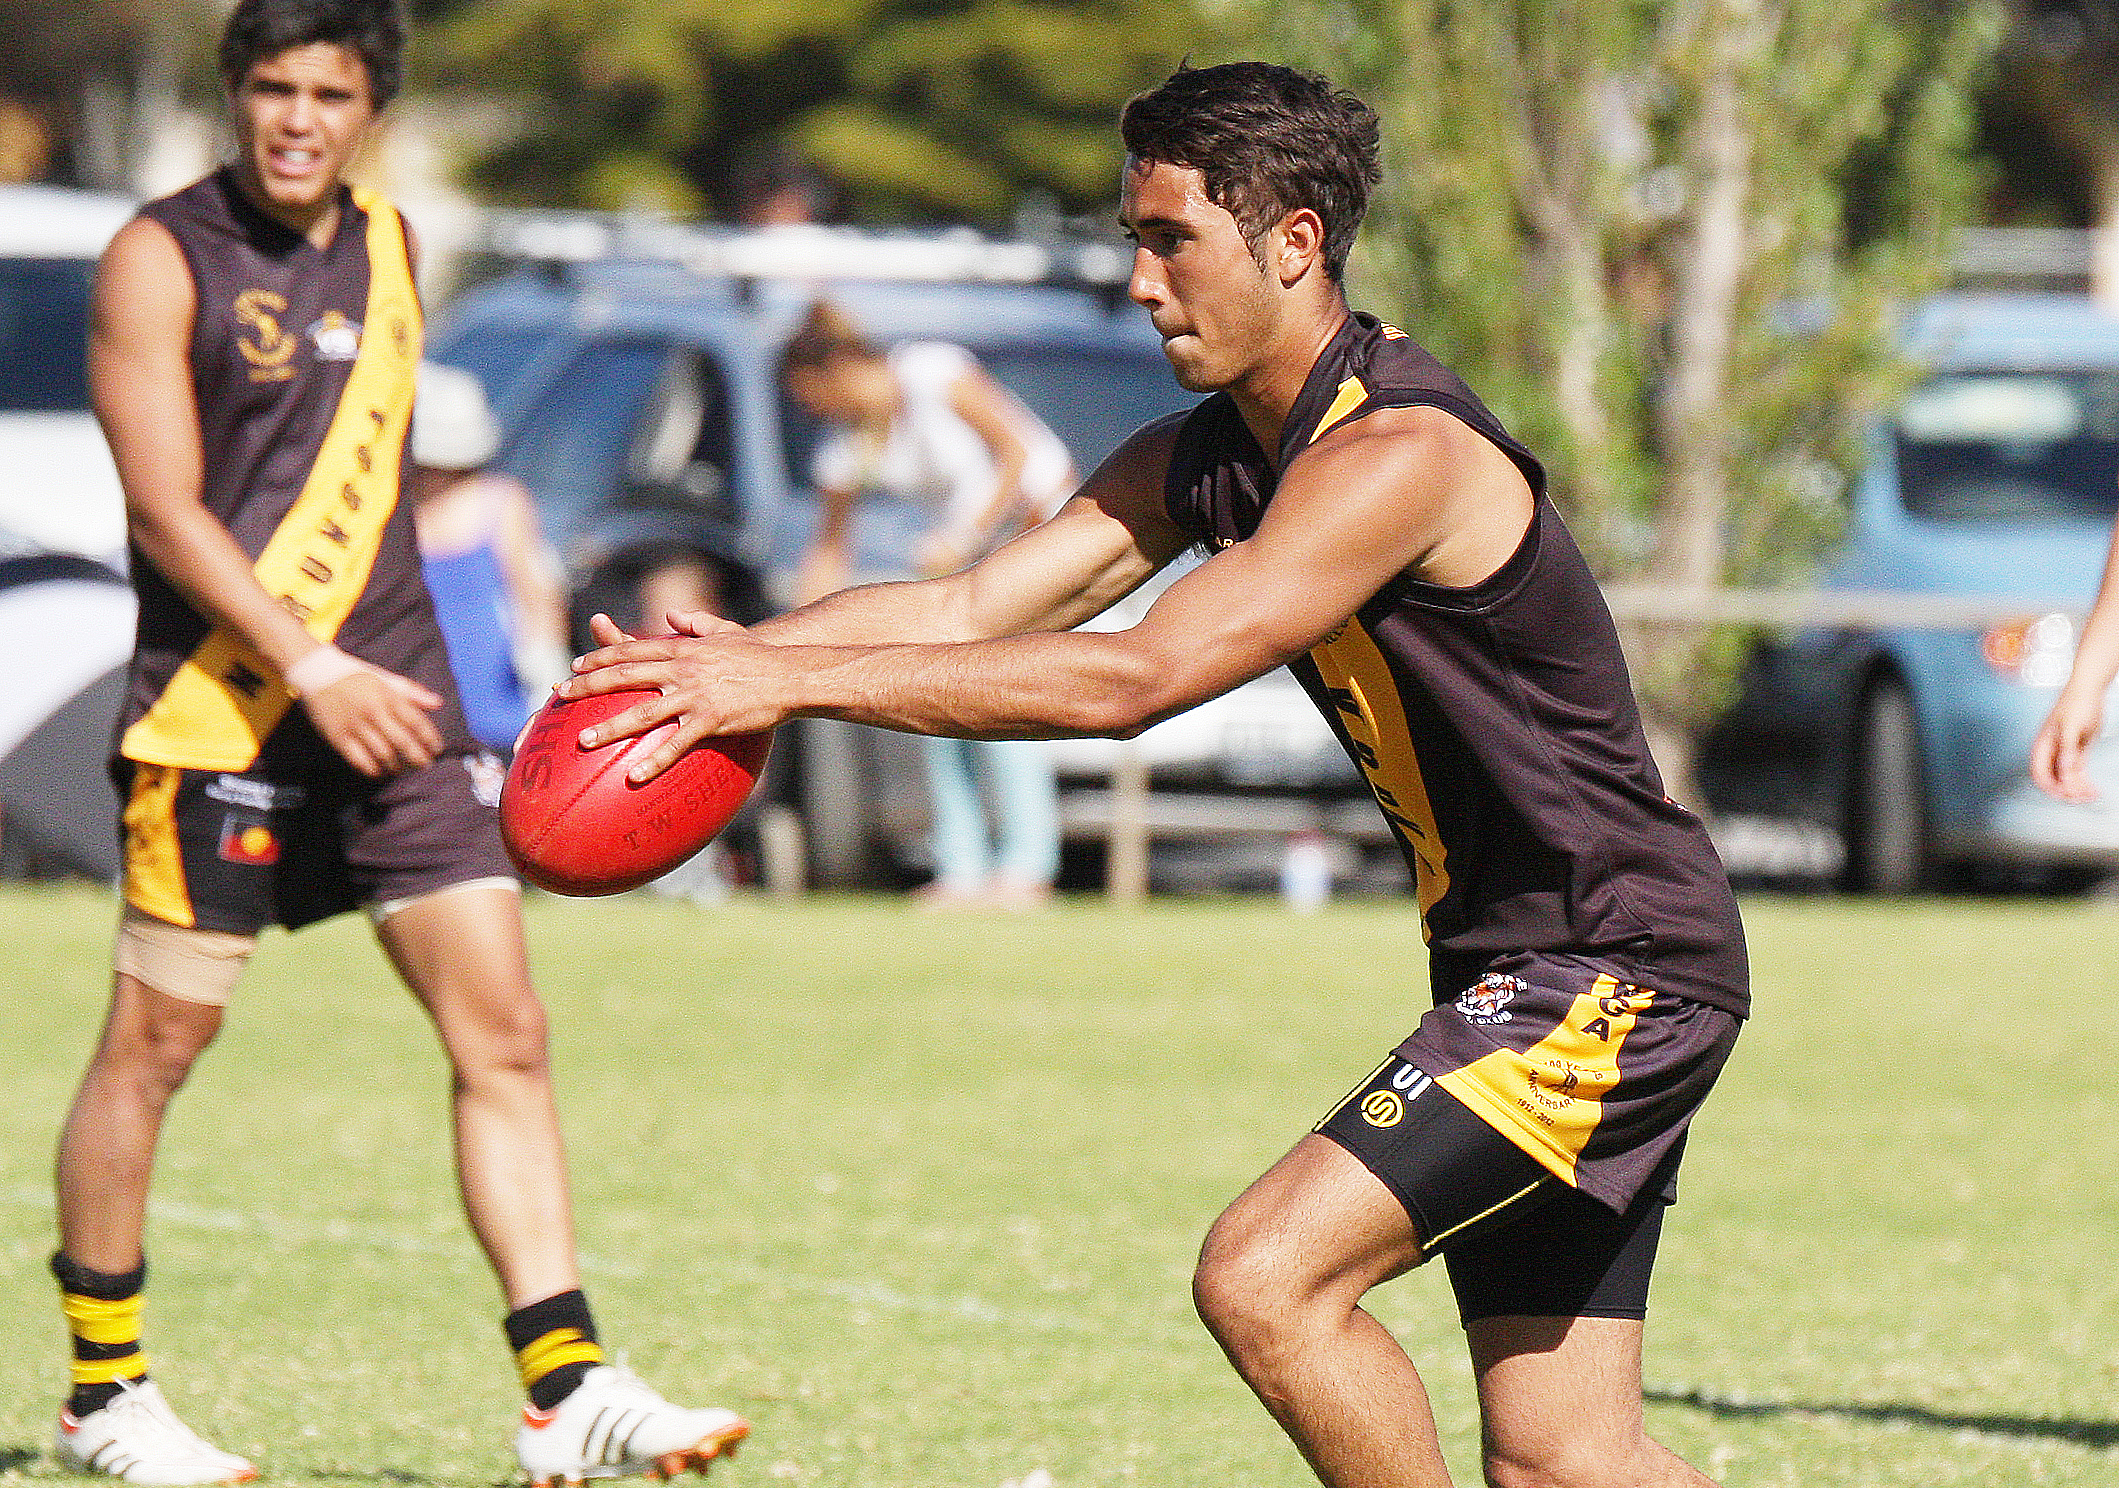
319	669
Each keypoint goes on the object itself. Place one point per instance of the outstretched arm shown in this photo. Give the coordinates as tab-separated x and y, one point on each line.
139	375
1103	545
1409	489
2059	751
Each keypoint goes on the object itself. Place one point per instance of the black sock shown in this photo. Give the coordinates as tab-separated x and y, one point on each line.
103	1312
555	1345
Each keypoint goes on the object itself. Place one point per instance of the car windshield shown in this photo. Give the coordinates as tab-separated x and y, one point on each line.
498	357
571	450
1092	399
2024	448
43	334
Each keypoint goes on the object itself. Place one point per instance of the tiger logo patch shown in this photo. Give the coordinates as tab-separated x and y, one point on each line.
1486	1000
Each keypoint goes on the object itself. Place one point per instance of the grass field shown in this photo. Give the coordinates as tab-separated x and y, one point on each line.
920	1195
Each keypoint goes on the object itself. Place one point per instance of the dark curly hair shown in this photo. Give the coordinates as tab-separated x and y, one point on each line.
375	29
1268	140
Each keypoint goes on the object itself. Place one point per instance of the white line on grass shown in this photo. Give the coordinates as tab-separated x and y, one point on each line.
285	1232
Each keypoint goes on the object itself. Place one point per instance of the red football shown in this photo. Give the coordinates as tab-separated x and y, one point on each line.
575	825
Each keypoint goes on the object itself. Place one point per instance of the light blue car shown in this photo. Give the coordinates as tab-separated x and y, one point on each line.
1992	489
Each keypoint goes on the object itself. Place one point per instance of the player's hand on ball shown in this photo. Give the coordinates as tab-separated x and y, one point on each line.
575	824
711	677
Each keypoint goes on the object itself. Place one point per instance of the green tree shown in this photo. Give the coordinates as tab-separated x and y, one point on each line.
1666	240
923	109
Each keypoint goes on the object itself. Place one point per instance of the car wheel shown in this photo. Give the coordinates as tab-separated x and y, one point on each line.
1887	810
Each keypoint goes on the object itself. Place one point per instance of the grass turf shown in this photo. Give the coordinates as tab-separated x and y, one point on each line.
920	1194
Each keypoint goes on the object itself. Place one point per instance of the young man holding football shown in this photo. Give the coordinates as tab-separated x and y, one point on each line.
1370	524
291	746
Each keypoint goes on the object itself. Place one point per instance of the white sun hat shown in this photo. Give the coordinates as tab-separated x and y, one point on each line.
453	427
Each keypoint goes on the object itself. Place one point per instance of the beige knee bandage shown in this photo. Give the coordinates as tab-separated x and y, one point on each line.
200	966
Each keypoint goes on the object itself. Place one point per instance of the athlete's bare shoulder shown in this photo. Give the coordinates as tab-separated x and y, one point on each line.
1461	504
142	281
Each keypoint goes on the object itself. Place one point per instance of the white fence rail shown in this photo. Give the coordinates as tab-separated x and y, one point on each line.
1800	608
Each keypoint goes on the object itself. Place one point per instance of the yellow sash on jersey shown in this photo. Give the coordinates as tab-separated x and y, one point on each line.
1353	669
226	698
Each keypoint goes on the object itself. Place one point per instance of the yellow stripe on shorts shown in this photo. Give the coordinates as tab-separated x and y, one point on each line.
1548	1099
154	864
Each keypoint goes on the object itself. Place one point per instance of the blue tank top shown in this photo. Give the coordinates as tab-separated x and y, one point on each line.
470	601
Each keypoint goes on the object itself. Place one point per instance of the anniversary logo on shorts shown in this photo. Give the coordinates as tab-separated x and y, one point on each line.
1486	1000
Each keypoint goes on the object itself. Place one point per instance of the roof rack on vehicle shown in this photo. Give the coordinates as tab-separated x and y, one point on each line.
803	251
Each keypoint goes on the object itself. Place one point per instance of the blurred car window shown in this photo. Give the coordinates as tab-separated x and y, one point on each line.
686	436
2012	447
43	331
61	492
575	443
500	357
1091	397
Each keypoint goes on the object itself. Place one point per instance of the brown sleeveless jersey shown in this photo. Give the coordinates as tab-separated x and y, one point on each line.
1495	725
302	458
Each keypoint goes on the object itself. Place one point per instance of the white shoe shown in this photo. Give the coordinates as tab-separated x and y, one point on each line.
137	1437
614	1426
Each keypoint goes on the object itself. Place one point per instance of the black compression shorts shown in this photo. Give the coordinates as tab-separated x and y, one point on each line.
1515	1240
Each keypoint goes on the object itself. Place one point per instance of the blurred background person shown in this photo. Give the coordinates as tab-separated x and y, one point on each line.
774	187
494	578
925	426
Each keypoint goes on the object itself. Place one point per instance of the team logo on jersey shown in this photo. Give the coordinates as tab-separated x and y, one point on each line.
263	341
248	843
487	776
1382	1108
336	338
1487	1000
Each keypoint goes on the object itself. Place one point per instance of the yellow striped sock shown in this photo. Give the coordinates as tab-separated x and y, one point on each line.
106	1337
552	1350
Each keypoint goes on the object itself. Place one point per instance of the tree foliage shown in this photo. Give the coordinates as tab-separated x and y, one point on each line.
932	109
1665	240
